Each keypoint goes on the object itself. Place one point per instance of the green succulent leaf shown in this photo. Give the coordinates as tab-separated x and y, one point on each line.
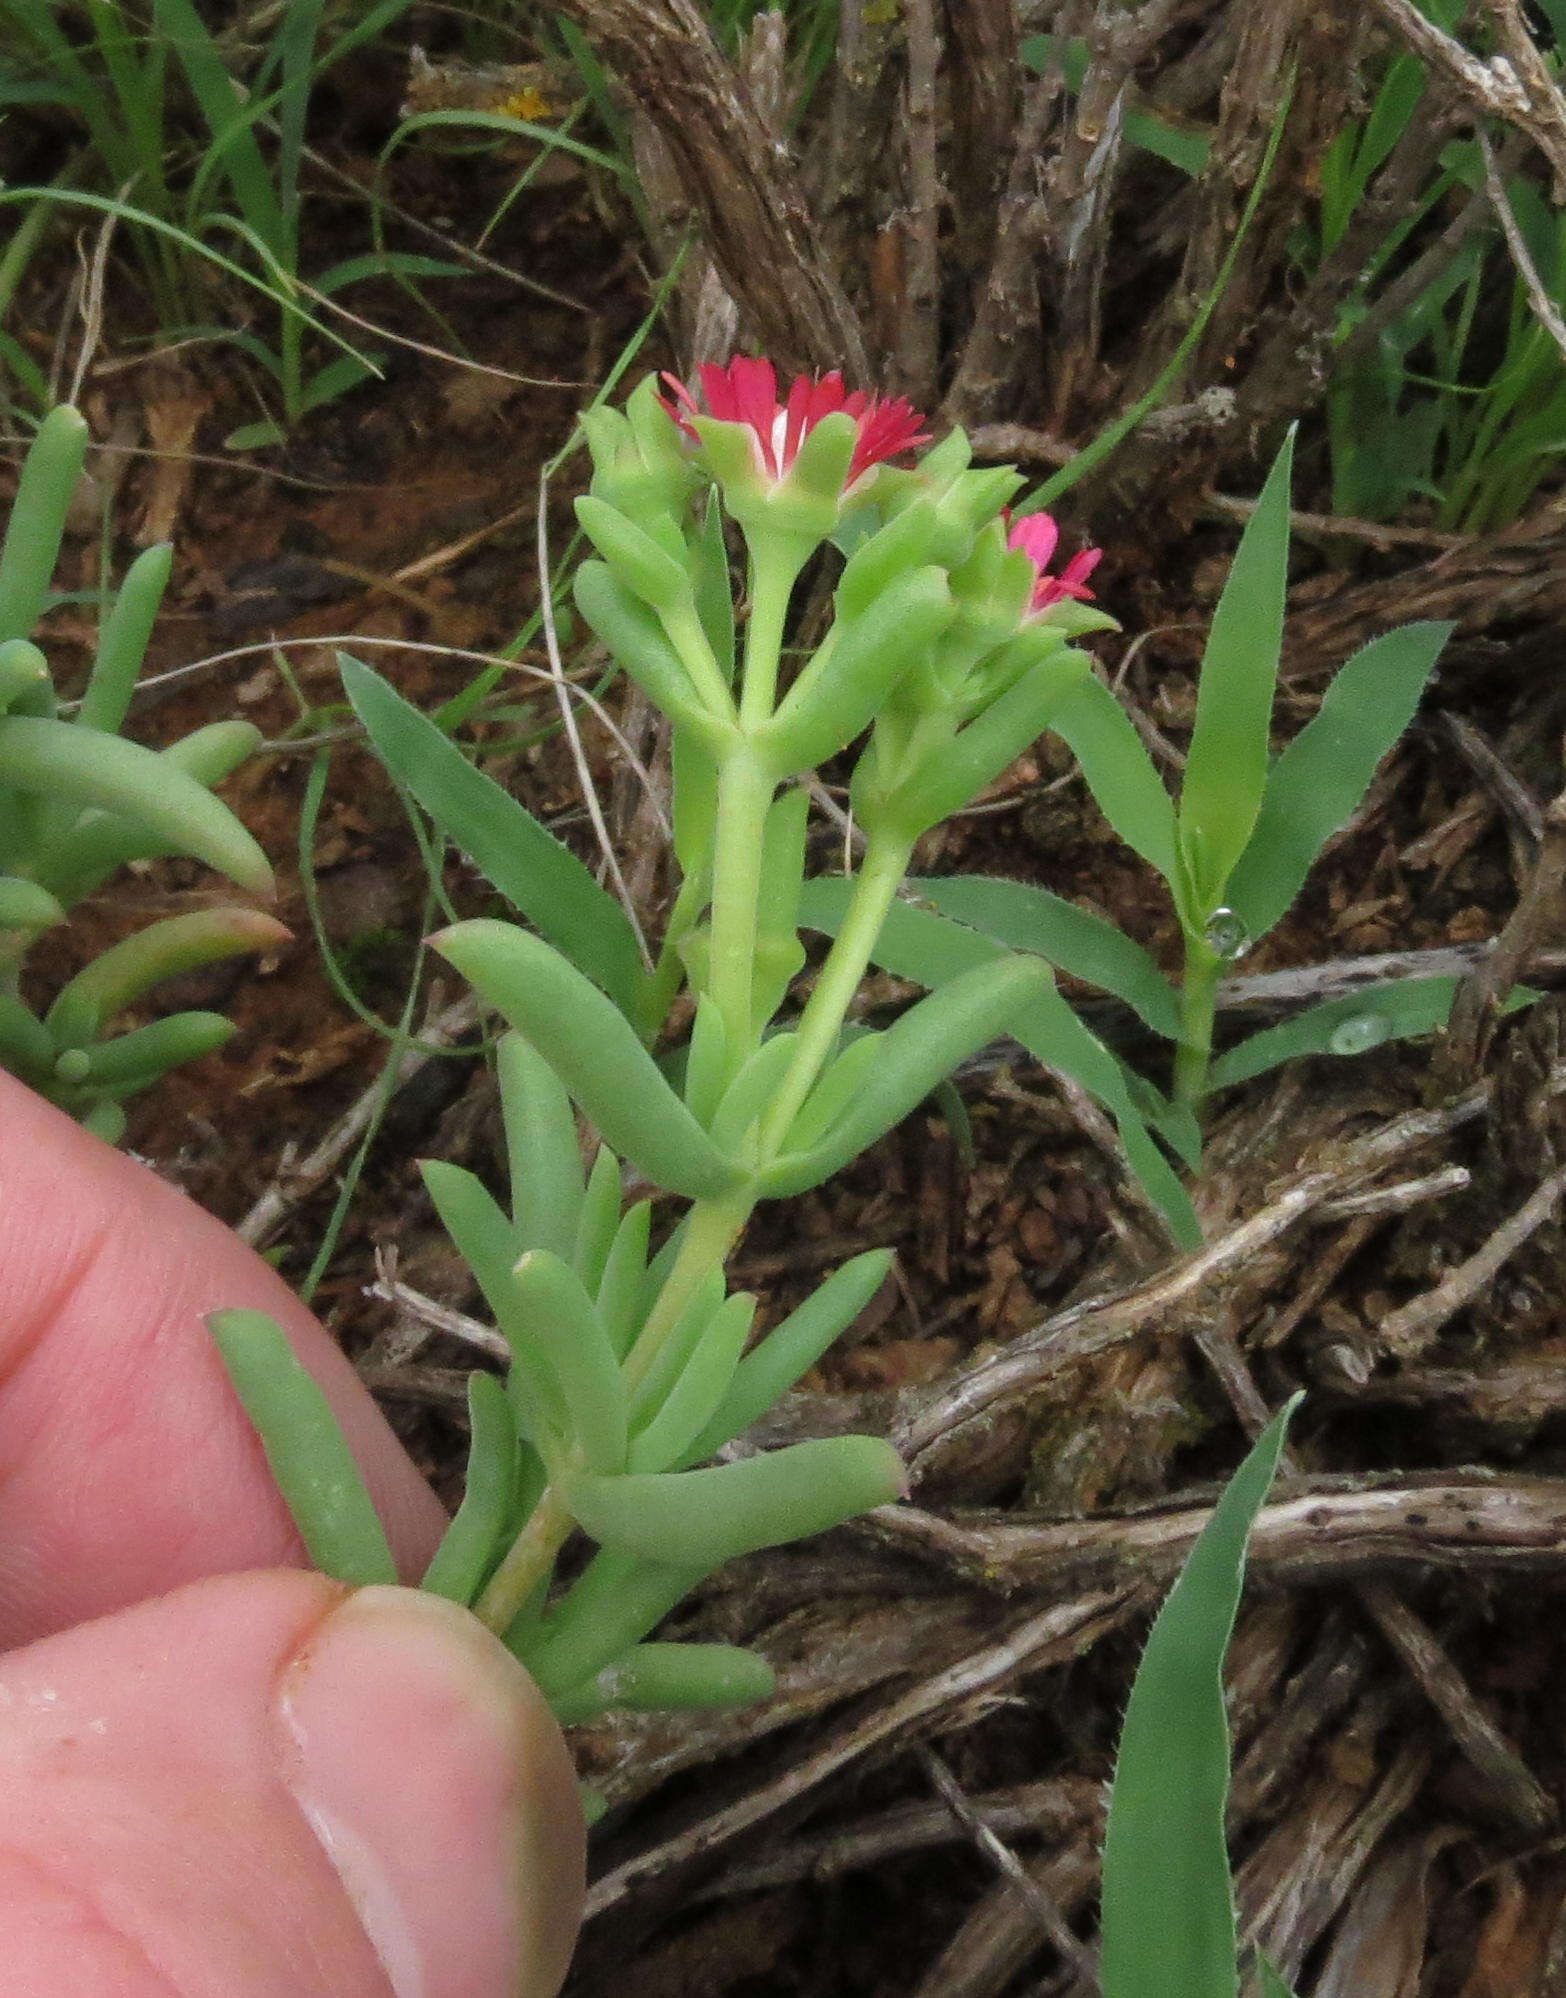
474	1540
135	1060
633	556
825	709
918	944
541	1146
310	1459
594	1050
70	765
703	1518
671	1678
790	1350
924	1046
122	642
126	971
562	1324
610	1606
688	1406
26	906
24	677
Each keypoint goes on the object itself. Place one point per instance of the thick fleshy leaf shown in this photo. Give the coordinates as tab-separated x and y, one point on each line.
594	1050
1073	940
79	766
704	1380
962	1015
1318	781
612	1604
1168	1902
484	1235
26	906
636	636
824	711
535	873
992	741
541	1148
621	1287
790	1350
598	1221
632	554
663	1369
84	857
127	970
703	1518
472	1543
27	1048
665	1678
1226	765
562	1324
135	1060
309	1456
25	686
122	641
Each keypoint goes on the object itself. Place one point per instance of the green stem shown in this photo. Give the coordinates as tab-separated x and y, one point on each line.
774	569
745	789
528	1561
879	879
1198	1001
712	1227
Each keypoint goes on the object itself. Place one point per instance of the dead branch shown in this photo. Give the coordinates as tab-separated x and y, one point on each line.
1330	1529
739	179
1037	1641
990	1385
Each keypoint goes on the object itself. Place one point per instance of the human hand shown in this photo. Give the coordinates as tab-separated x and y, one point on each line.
224	1775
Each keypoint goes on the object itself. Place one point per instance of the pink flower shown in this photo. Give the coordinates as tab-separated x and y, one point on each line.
746	392
1036	535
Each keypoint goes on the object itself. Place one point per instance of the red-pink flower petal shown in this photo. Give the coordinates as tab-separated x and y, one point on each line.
1037	535
886	429
683	407
808	402
746	391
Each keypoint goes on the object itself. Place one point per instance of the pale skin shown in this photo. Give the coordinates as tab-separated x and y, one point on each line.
227	1777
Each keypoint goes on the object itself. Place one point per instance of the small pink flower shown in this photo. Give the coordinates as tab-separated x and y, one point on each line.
1036	535
746	392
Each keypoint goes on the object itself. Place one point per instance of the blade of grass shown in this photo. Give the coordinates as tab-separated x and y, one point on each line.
1168	1901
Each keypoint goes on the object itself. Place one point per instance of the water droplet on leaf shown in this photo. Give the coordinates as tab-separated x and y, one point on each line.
1359	1033
1227	937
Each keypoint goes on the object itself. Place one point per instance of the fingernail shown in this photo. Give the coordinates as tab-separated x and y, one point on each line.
433	1775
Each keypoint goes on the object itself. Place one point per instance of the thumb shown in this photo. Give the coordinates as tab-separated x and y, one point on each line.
262	1785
